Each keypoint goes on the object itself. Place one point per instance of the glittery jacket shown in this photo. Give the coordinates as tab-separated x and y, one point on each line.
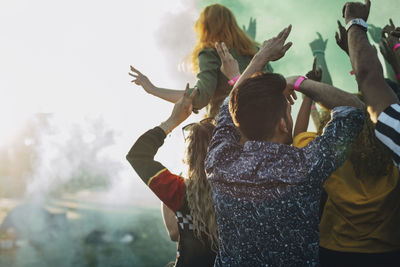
267	195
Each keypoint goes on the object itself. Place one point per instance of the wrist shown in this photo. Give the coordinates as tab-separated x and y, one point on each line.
233	80
317	52
298	82
168	125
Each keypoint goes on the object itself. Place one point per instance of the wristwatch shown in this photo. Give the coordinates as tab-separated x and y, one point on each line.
359	22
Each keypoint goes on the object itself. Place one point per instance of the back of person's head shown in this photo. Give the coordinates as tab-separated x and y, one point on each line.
218	24
257	105
368	155
198	191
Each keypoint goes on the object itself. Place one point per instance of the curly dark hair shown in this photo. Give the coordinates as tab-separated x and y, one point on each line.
368	155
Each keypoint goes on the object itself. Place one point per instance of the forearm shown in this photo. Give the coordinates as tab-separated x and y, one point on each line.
170	222
167	94
328	96
303	116
326	76
257	64
369	73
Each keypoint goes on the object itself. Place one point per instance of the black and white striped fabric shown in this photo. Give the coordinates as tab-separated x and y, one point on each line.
388	130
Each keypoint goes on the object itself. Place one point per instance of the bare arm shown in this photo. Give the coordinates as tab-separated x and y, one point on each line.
326	95
171	224
318	47
367	68
303	117
169	95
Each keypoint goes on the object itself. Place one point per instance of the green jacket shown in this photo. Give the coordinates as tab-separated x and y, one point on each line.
212	84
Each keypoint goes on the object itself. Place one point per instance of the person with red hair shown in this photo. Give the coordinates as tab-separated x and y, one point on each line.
215	24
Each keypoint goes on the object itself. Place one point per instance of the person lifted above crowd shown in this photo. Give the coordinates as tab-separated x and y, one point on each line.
215	24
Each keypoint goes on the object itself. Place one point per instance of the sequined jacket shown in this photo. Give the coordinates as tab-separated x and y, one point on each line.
267	195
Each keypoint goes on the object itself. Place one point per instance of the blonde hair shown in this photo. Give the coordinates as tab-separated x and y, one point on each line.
198	191
218	24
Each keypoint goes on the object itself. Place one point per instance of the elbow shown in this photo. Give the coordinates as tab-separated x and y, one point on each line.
132	159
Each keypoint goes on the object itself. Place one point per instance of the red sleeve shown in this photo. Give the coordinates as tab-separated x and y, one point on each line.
169	188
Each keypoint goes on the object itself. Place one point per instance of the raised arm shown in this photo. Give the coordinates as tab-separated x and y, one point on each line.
318	47
303	117
364	59
207	79
168	187
167	94
376	34
326	95
271	50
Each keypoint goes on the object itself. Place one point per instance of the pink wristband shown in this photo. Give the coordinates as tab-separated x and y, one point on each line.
313	107
352	72
234	80
397	46
298	82
397	77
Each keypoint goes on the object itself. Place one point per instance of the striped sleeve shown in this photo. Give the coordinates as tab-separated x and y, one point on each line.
387	130
168	187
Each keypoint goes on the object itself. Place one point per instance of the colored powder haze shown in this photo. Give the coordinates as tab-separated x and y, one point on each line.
68	61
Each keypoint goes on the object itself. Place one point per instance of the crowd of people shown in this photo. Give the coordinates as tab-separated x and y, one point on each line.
261	190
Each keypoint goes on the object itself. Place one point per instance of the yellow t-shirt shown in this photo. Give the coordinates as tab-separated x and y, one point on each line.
360	215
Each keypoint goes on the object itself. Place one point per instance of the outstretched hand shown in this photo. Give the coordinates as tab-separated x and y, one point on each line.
386	31
315	74
396	32
341	38
289	92
229	66
386	46
141	80
354	10
275	48
319	44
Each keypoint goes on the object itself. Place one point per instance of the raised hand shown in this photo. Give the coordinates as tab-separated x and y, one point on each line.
141	80
353	10
341	38
387	49
275	48
375	33
251	30
229	67
396	32
289	92
319	44
315	74
183	108
388	29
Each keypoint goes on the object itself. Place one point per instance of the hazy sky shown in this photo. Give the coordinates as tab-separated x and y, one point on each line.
71	58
